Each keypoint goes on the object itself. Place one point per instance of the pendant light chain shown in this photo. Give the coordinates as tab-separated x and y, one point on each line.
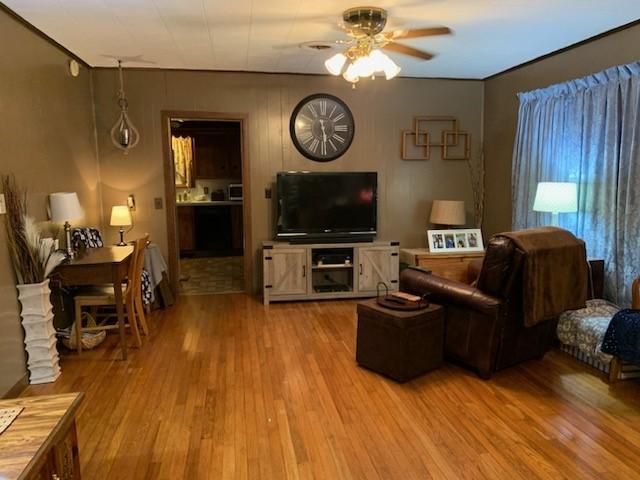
122	100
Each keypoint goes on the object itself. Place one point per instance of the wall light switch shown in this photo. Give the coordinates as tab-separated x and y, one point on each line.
3	205
157	203
131	202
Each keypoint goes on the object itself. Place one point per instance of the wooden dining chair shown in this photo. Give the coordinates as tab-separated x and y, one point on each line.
101	297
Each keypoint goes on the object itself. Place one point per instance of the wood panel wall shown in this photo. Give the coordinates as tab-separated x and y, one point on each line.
47	142
381	110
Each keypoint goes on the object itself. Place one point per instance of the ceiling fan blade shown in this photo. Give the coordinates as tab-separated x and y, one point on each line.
410	51
420	32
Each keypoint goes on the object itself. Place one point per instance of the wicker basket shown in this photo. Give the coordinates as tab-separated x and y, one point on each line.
90	340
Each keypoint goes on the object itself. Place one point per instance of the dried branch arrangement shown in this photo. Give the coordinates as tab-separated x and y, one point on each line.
476	172
33	257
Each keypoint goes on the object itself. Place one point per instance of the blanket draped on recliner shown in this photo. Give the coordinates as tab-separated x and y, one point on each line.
554	272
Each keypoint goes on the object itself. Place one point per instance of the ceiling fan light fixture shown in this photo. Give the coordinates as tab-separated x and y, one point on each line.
335	64
350	74
382	63
391	70
363	57
364	66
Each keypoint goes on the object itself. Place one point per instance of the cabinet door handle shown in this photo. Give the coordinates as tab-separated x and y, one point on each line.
360	269
304	270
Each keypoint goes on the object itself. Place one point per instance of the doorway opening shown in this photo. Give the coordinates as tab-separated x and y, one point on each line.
207	210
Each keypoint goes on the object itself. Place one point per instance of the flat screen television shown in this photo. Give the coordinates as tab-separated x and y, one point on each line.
326	206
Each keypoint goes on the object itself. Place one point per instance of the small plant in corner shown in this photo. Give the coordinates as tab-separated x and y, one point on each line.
32	256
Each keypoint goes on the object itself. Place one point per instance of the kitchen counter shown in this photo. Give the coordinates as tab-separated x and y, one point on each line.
208	203
206	226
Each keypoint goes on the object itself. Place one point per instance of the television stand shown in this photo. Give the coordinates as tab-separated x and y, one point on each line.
318	271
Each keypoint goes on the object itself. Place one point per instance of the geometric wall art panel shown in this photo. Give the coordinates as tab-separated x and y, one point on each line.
442	132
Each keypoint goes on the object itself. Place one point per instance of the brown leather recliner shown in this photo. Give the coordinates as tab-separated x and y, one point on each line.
484	323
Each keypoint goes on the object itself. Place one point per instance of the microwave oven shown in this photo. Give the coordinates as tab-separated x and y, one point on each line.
235	191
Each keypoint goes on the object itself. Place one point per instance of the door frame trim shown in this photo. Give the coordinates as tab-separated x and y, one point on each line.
170	190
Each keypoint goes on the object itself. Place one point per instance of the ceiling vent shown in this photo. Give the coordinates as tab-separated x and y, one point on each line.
318	46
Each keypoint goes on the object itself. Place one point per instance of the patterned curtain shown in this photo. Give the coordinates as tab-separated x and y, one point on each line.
182	148
586	131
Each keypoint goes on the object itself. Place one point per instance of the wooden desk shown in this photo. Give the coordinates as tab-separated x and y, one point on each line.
97	266
453	265
42	441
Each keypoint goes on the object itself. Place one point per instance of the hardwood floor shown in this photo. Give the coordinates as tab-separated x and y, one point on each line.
227	388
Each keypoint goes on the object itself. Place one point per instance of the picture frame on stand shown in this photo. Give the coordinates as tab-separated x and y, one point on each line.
455	240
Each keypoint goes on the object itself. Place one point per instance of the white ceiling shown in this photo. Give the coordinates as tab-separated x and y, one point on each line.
263	35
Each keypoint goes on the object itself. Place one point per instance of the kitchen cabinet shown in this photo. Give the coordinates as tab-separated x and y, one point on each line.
218	155
214	227
237	231
185	228
217	148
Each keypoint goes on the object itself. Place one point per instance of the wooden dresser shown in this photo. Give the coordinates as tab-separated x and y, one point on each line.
453	265
41	443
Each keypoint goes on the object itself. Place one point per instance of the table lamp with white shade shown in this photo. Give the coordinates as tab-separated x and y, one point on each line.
555	198
120	217
65	207
448	213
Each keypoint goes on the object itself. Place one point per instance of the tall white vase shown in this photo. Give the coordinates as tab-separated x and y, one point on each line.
40	336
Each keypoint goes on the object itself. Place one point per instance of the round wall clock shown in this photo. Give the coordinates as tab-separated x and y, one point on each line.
322	127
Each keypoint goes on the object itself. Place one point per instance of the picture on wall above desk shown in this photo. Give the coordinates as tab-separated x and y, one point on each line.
322	127
441	132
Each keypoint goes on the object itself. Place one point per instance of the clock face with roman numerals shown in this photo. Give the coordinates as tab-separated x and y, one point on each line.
322	127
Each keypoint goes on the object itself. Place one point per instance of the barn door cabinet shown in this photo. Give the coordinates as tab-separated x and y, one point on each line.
375	265
324	271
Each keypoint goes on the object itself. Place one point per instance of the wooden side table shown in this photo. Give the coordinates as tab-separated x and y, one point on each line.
453	266
41	442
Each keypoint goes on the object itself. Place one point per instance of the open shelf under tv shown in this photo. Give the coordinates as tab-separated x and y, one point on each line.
332	266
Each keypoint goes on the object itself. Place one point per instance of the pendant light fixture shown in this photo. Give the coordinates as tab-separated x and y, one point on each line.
123	134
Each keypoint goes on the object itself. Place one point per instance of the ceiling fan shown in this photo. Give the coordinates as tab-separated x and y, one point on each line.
363	56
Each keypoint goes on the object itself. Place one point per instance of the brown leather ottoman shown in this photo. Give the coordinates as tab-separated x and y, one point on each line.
399	345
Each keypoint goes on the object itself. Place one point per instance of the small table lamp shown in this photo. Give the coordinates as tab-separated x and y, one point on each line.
120	217
448	213
556	197
65	207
